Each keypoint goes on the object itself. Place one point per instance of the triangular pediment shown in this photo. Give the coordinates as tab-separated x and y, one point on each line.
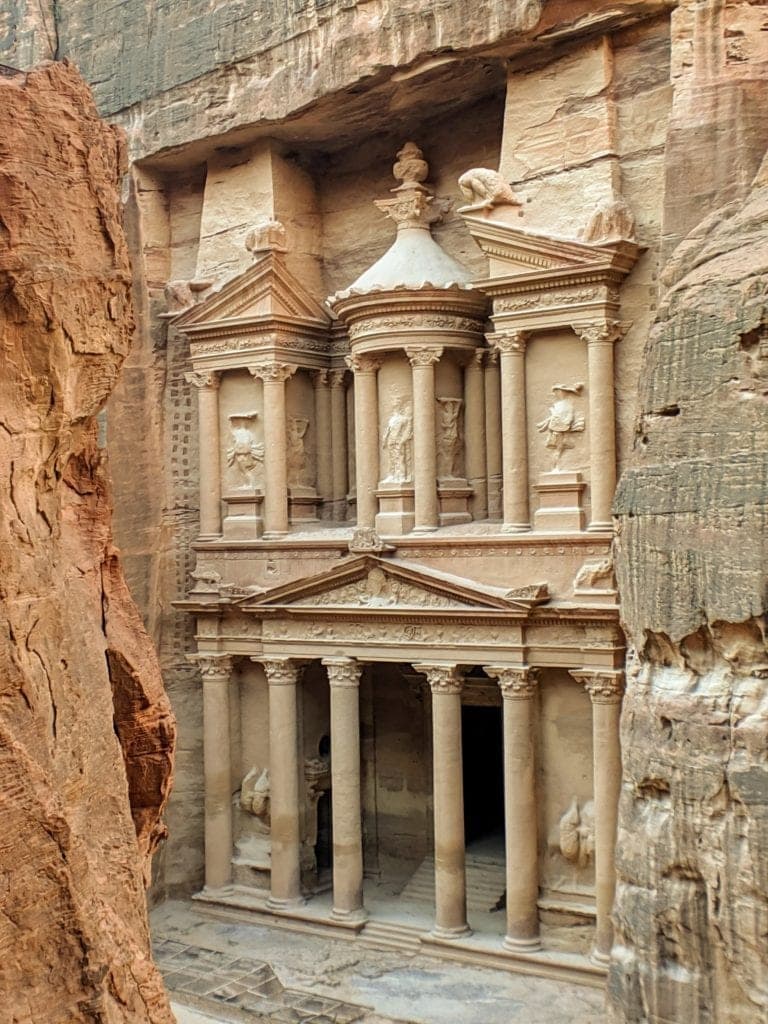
265	291
368	581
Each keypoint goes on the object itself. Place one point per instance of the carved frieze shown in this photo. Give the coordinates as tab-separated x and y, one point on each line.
377	590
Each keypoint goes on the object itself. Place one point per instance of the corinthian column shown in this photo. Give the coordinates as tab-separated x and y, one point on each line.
518	688
514	430
605	689
365	368
207	385
323	434
274	376
285	877
216	671
474	434
338	442
423	362
448	785
600	339
344	680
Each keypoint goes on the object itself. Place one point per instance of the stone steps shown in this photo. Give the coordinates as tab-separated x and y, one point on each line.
386	935
486	882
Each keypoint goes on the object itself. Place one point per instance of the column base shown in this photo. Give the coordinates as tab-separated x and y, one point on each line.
274	534
279	904
424	529
208	537
448	934
600	527
516	528
599	958
515	945
359	916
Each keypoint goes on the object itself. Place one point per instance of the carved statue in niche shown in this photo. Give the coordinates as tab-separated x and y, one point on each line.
484	189
450	440
298	463
398	441
255	797
244	454
562	420
577	833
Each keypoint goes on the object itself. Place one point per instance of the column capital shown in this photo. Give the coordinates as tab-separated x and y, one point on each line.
344	672
491	357
272	372
321	378
601	331
424	356
279	671
516	682
363	362
212	666
442	678
204	379
508	342
477	358
604	686
336	378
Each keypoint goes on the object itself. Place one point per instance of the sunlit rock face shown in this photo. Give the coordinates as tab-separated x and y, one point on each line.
86	732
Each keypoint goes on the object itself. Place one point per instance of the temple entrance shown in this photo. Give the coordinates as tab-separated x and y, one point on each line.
483	757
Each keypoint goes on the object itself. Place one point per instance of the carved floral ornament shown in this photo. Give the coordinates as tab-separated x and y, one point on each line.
426	356
605	332
272	373
442	679
343	672
212	666
200	379
603	687
279	671
363	363
515	682
508	342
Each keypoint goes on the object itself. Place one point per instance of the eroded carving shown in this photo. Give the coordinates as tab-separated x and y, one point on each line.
297	460
268	236
562	420
612	221
596	575
577	833
255	797
398	442
484	189
450	442
245	455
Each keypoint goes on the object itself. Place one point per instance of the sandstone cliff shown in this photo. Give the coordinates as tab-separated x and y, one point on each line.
692	899
86	733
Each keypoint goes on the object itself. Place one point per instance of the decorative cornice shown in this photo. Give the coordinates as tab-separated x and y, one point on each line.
343	672
425	356
441	678
603	686
208	380
272	373
279	671
516	682
212	666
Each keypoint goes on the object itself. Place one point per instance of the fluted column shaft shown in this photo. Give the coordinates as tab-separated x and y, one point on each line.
448	785
344	680
323	445
493	433
514	431
605	689
365	369
338	441
285	878
216	671
423	362
274	376
600	339
518	688
207	385
474	432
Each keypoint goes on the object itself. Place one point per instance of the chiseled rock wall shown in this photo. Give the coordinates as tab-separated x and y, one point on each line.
692	899
86	732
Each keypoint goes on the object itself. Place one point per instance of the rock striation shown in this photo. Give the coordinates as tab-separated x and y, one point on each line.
692	898
86	731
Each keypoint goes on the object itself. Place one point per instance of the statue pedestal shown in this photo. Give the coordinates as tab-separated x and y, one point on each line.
396	509
453	495
560	497
302	504
242	516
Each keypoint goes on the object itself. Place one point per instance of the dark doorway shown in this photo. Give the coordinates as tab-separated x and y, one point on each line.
483	757
324	844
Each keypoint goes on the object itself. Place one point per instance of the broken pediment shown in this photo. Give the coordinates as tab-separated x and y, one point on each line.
266	292
377	583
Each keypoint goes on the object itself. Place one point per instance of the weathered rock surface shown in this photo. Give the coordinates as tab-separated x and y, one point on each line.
86	732
692	900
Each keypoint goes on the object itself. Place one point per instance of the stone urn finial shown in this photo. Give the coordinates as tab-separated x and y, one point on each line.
410	169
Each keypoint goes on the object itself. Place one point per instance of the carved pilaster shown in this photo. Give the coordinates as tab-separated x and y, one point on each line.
207	383
337	378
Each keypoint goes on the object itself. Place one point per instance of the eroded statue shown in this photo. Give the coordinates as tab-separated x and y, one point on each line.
245	454
483	189
297	454
449	439
255	796
577	833
398	442
562	420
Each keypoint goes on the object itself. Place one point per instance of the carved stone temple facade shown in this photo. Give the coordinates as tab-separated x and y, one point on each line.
405	616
